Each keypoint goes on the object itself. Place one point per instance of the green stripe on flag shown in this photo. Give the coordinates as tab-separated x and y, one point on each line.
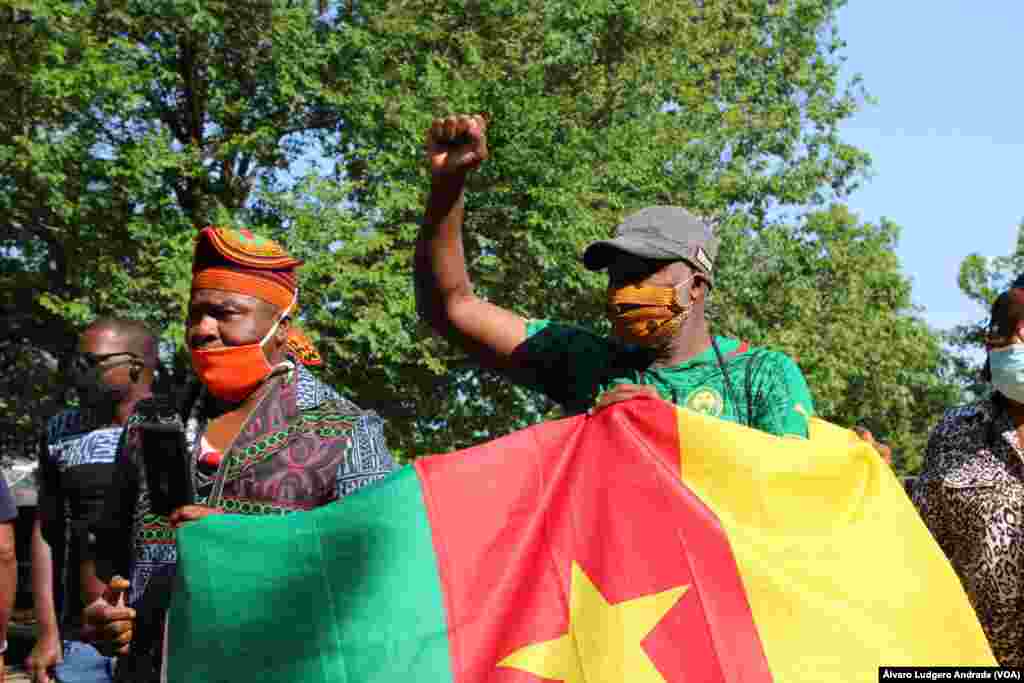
355	594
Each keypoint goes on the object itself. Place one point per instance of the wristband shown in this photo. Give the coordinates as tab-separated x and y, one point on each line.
3	647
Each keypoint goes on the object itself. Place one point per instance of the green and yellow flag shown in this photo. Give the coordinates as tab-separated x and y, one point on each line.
645	543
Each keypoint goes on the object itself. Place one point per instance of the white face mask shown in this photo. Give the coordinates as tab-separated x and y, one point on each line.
1007	367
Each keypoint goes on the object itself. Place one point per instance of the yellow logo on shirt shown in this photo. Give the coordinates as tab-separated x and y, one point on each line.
706	401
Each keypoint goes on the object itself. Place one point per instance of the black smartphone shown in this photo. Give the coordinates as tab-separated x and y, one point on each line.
165	456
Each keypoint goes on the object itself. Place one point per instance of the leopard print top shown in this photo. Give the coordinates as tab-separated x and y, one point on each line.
971	496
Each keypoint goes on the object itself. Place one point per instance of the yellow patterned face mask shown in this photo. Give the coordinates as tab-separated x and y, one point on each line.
647	316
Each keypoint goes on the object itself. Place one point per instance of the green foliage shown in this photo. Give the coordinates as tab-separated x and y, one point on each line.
125	126
130	123
830	292
982	279
730	108
29	387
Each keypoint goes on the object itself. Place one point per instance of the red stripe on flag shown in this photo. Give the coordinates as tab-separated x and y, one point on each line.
511	518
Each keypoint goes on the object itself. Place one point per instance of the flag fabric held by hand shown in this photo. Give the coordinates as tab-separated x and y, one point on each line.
644	543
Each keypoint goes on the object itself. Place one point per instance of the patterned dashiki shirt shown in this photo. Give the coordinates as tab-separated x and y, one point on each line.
302	447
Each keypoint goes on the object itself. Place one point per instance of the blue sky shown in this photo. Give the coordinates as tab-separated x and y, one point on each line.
945	134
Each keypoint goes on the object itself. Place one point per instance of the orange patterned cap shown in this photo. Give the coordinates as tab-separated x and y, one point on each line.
240	261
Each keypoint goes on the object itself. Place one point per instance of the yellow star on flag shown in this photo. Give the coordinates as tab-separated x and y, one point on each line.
603	640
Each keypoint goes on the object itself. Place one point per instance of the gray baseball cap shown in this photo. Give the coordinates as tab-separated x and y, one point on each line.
659	232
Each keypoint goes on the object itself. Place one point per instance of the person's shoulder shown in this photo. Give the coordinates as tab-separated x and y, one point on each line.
770	357
68	422
968	412
542	333
313	395
351	435
773	353
956	436
964	417
958	455
63	421
340	408
581	347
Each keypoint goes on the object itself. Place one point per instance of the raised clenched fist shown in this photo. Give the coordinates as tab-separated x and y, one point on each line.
456	145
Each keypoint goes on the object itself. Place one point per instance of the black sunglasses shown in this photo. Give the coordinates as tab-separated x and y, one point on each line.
83	360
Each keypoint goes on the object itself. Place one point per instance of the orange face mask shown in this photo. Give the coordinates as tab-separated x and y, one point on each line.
232	373
647	316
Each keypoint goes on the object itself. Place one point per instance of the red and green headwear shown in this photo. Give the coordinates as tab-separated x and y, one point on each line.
240	261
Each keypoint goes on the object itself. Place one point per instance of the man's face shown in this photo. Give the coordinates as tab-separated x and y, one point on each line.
627	269
218	319
101	367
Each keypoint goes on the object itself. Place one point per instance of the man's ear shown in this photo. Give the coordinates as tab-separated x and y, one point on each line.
282	330
135	371
698	289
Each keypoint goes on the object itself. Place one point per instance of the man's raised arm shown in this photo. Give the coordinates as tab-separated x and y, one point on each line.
456	146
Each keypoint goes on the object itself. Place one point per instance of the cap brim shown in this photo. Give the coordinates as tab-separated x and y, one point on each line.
598	255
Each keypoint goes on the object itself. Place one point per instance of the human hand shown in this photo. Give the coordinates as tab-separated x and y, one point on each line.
45	654
456	145
107	623
883	449
192	513
624	392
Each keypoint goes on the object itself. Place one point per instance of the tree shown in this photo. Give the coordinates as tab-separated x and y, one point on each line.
730	108
126	126
982	279
830	291
133	122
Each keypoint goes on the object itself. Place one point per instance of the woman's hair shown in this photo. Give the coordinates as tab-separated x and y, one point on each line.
1005	317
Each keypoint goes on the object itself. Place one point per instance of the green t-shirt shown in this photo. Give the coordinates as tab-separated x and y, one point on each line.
572	366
